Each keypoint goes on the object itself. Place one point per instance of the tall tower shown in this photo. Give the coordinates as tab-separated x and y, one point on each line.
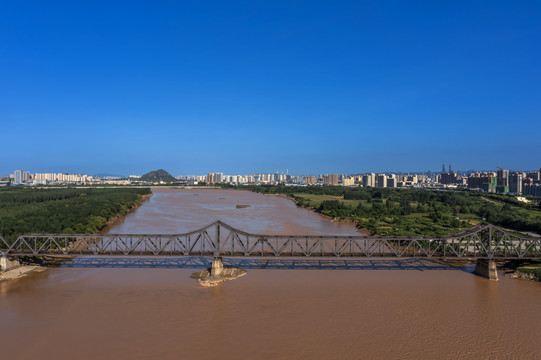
443	168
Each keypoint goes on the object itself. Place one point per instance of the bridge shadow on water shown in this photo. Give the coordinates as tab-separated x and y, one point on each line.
261	263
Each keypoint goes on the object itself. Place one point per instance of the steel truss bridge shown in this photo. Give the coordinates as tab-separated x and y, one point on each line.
484	241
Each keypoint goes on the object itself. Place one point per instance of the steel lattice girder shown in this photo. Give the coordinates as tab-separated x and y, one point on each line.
482	241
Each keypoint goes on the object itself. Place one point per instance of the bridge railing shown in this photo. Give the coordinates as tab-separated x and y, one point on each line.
219	239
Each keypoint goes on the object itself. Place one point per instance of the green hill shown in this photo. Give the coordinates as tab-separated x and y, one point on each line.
157	176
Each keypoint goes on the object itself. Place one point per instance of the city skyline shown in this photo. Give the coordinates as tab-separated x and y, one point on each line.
443	168
311	86
501	181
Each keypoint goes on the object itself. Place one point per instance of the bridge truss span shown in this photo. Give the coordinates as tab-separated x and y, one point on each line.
484	241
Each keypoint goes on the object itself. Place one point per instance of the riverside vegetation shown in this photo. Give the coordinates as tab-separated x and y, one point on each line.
65	210
532	269
386	211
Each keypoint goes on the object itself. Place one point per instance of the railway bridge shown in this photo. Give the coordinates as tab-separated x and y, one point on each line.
484	243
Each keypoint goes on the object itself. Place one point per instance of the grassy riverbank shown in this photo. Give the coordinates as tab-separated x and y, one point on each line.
67	210
385	211
530	268
536	271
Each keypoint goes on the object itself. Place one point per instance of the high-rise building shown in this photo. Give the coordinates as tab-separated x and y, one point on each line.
366	181
330	179
534	175
214	178
391	181
532	190
18	175
502	181
310	180
515	182
381	180
411	180
474	181
266	178
489	184
219	177
448	178
348	180
369	180
503	177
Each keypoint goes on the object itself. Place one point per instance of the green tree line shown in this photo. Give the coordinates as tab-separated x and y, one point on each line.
68	210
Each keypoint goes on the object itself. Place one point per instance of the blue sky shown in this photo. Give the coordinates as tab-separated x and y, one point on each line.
264	86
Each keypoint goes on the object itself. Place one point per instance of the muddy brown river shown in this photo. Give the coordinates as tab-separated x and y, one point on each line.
282	309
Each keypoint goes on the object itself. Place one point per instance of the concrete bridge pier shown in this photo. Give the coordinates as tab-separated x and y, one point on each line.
217	266
7	264
486	268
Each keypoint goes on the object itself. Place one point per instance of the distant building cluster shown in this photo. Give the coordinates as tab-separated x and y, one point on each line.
501	181
366	180
220	178
20	177
62	178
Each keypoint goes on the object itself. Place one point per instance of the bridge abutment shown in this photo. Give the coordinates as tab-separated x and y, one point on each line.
217	266
8	264
486	268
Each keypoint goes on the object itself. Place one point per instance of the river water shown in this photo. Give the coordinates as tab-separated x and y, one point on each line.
282	309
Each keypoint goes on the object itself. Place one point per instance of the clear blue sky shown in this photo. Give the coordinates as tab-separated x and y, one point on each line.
126	87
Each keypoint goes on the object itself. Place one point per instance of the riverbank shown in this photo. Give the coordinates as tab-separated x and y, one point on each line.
345	221
117	218
20	272
526	273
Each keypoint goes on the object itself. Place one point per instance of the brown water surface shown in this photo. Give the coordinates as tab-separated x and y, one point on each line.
282	309
171	211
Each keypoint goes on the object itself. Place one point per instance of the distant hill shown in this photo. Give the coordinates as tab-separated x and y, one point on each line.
157	176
